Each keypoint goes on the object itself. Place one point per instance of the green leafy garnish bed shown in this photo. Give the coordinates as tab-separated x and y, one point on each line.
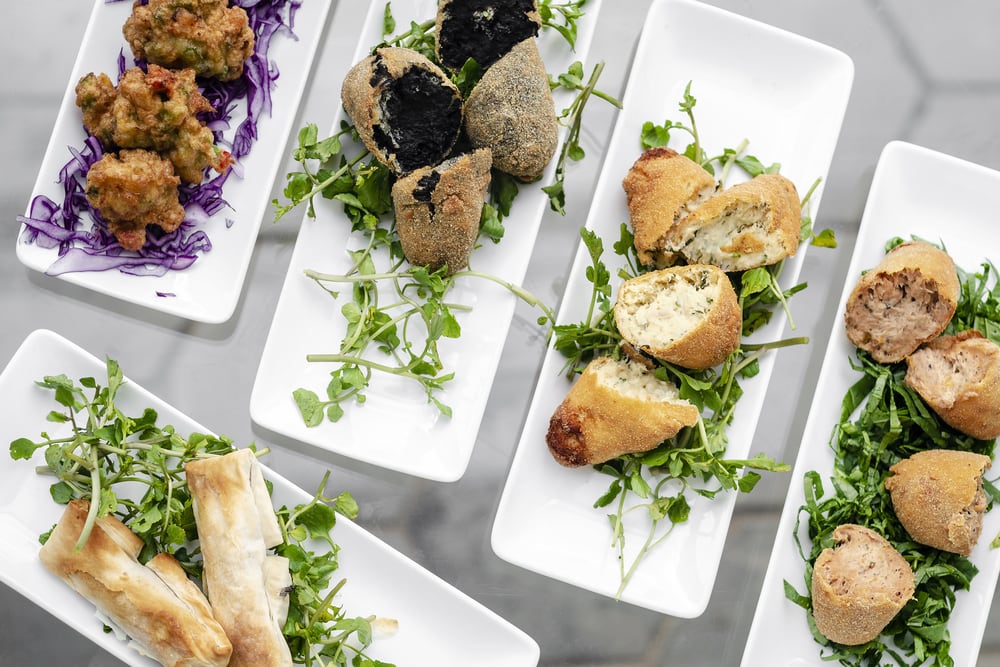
881	422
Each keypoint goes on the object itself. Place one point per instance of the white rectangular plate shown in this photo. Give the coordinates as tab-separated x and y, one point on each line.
437	623
397	428
791	112
914	191
209	290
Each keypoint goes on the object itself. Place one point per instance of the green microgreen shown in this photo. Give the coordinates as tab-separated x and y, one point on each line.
396	315
882	421
108	454
662	484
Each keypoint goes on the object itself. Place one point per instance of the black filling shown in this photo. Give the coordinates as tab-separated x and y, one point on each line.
425	189
484	30
421	117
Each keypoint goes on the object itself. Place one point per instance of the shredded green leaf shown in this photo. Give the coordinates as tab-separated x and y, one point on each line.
882	422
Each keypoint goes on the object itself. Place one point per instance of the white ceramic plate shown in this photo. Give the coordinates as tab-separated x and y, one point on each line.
437	623
791	113
209	290
915	191
397	428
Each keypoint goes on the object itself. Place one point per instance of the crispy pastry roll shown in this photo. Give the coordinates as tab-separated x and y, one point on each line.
156	605
244	584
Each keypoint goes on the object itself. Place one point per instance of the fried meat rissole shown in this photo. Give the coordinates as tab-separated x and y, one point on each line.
616	407
207	36
406	110
483	30
246	586
438	210
906	300
858	585
155	604
687	315
959	378
661	188
132	190
938	496
511	112
155	110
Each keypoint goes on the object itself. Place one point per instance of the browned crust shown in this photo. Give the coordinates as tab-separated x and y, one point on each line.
511	112
156	604
858	585
971	403
594	423
717	332
438	210
773	197
872	316
659	189
938	496
235	530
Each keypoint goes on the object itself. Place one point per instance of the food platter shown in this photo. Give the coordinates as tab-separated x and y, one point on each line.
790	112
380	580
919	192
209	290
397	428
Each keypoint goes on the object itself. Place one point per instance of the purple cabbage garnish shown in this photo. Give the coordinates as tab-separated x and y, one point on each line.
50	224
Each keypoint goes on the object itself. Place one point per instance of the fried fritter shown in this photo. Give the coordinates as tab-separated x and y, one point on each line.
156	111
207	36
132	190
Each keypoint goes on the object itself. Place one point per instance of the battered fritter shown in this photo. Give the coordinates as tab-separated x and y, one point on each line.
156	111
207	36
132	190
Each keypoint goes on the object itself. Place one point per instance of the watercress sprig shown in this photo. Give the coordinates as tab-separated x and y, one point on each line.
661	483
108	454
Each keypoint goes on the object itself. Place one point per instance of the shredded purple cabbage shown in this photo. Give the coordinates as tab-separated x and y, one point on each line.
49	224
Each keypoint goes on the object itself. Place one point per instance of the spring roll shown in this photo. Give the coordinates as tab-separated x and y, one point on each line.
244	583
162	611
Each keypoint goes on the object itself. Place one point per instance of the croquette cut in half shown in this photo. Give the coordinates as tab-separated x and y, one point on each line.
906	300
483	30
858	585
406	110
438	210
616	407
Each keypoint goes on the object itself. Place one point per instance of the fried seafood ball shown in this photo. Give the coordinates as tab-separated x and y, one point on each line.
132	190
155	110
207	36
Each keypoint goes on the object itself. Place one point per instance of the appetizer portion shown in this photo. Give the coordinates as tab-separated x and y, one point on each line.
661	188
938	496
438	210
158	110
406	110
616	407
959	378
511	112
207	36
858	585
156	605
907	300
132	190
751	224
247	587
686	315
483	30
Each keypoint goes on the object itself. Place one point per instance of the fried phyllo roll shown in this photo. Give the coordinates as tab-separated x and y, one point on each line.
246	586
162	611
